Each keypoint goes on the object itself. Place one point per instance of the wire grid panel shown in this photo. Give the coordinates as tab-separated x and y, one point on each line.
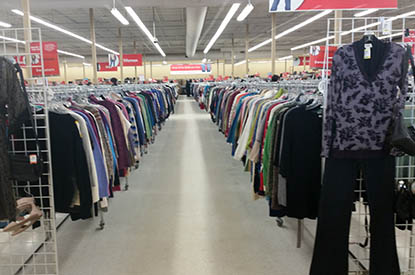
352	29
33	251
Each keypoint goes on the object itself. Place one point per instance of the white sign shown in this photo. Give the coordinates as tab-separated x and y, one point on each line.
284	5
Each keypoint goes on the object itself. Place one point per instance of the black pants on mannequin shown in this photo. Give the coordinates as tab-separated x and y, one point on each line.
332	240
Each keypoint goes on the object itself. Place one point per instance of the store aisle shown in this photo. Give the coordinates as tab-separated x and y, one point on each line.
189	210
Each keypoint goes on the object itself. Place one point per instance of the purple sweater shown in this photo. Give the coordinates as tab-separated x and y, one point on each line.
359	107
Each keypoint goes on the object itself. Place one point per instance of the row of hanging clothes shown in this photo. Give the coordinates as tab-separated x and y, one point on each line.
275	130
98	135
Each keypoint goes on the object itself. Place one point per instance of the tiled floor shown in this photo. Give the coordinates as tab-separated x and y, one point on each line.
189	210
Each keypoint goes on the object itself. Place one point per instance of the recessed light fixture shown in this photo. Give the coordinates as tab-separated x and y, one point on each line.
59	29
222	26
86	64
240	63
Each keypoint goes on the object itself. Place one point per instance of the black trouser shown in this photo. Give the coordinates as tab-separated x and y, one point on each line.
332	240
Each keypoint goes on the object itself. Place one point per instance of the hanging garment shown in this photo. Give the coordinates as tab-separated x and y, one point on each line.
14	111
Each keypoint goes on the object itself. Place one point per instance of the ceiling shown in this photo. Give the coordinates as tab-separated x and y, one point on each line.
170	22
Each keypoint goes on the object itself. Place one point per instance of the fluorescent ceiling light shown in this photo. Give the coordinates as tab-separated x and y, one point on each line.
12	39
240	63
222	26
366	12
293	29
391	35
285	58
5	25
86	64
71	54
360	28
204	60
143	27
117	14
401	16
313	43
59	29
245	12
164	62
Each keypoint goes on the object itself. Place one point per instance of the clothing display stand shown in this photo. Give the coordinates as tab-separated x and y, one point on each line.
405	165
34	251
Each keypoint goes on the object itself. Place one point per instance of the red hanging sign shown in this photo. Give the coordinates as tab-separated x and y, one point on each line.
190	68
299	61
303	5
317	56
410	39
132	60
105	67
50	58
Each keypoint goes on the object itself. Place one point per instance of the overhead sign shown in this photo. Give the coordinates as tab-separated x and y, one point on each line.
303	5
317	56
299	61
410	39
132	60
50	58
190	69
113	60
105	67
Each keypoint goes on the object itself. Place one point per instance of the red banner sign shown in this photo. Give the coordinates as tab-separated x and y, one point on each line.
317	56
105	67
303	5
190	68
299	61
132	60
50	58
410	39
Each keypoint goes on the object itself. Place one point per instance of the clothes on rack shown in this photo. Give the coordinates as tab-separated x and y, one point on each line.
96	138
266	127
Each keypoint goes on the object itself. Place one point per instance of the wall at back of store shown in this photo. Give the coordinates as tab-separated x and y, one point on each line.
75	70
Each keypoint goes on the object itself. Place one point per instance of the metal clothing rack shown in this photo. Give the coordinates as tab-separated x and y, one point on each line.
33	251
405	168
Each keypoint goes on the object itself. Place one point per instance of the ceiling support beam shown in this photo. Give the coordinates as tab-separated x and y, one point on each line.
233	57
93	46
338	15
246	49
135	67
121	55
27	25
273	42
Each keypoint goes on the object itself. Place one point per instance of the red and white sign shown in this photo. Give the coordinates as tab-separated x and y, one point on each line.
105	67
299	61
303	5
190	69
50	58
410	39
21	60
317	56
132	60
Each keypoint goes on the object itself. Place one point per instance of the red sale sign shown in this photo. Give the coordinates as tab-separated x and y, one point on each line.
303	5
105	67
410	39
131	60
190	69
21	60
50	58
318	54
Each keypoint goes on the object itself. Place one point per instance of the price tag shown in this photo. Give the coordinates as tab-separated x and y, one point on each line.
368	51
33	159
